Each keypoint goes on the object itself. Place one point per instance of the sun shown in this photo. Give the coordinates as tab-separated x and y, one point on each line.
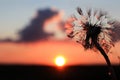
60	61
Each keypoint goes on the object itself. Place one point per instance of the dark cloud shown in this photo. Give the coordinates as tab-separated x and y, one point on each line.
7	40
34	31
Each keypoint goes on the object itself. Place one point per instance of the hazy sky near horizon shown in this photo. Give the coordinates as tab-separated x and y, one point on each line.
16	14
45	52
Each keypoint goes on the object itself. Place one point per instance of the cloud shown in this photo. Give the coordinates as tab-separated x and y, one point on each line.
56	26
34	31
47	24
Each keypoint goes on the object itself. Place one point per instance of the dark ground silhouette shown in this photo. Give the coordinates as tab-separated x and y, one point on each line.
37	72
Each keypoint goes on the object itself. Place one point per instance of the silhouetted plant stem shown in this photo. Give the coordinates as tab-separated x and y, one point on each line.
111	70
95	34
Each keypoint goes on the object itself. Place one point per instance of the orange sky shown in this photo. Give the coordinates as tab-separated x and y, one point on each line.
44	52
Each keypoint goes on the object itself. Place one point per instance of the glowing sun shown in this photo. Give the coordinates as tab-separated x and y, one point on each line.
60	61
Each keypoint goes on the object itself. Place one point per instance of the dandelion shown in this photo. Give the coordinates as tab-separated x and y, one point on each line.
90	27
93	30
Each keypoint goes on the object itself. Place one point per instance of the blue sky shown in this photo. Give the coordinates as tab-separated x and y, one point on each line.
16	14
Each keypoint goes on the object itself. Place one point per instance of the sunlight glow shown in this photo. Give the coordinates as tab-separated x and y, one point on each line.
60	61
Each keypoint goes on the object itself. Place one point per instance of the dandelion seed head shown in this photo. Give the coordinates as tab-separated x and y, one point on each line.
92	21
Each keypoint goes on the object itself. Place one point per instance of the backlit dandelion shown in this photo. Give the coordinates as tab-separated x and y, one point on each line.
93	30
93	24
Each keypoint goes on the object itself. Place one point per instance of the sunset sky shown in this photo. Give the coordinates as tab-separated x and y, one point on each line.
16	15
45	52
